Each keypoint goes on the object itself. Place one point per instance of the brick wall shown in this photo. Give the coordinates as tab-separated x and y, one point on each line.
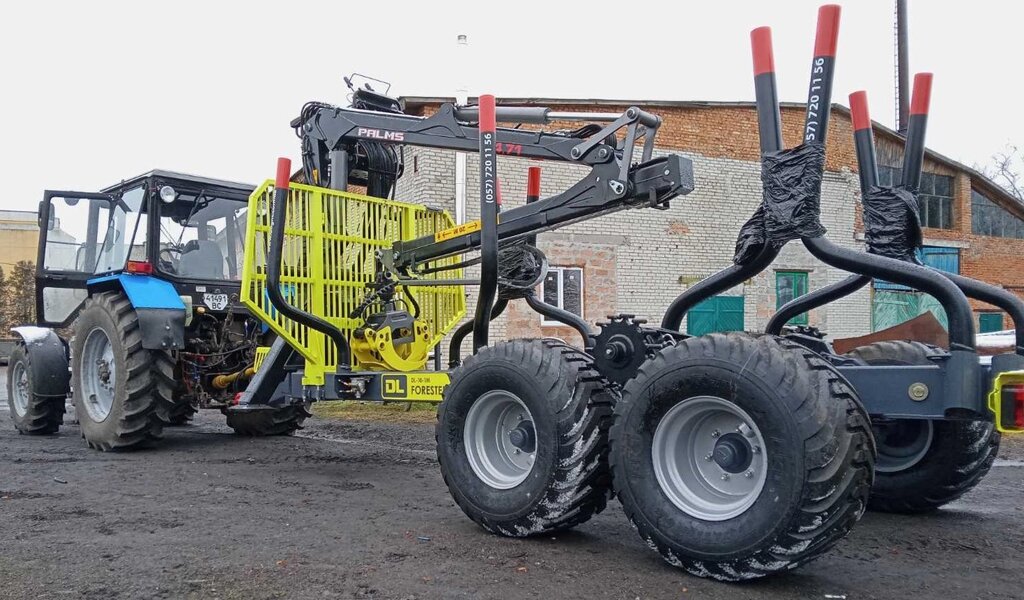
638	261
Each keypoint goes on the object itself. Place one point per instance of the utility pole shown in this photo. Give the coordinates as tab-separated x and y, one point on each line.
902	68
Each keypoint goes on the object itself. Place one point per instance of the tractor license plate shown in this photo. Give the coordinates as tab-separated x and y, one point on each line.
215	301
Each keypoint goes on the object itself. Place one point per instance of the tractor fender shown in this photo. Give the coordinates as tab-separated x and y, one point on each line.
160	309
47	360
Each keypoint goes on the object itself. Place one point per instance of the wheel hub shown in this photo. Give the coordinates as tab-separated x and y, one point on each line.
733	453
98	377
709	458
902	443
500	439
524	437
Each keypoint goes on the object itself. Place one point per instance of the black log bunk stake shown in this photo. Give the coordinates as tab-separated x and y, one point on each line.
488	222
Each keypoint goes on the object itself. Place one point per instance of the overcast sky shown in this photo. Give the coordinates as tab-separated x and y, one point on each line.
93	92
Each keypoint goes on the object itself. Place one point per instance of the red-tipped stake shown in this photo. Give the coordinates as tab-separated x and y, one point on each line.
284	173
863	140
769	121
819	95
913	153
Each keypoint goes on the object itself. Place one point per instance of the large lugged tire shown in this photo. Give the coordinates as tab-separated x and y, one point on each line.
737	457
32	414
923	465
283	420
122	392
522	437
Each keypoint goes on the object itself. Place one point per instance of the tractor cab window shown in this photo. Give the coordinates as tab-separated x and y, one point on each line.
201	237
95	235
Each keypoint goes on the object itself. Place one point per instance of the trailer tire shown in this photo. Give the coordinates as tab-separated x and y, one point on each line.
131	411
545	399
32	414
283	420
923	465
787	479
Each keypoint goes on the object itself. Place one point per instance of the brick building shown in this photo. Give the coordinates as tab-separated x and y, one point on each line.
637	261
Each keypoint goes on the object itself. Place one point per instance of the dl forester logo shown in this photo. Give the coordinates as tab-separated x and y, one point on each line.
394	386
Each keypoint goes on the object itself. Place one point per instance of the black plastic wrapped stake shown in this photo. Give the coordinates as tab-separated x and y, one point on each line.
892	222
791	201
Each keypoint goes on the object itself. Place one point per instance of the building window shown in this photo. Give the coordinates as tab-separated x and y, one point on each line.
989	322
717	313
934	195
563	287
790	285
988	218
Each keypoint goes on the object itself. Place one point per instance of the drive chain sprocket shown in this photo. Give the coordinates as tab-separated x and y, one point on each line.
624	344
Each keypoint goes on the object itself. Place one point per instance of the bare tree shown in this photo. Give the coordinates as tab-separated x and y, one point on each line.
1006	170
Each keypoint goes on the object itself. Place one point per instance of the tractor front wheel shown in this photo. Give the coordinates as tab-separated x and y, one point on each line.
32	413
122	391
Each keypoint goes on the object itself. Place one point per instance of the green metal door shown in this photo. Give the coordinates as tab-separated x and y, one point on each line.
718	313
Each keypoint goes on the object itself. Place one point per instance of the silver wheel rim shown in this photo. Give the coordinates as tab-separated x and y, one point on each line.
902	444
99	375
709	458
19	389
500	439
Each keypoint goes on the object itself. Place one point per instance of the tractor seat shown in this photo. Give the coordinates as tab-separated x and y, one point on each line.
201	259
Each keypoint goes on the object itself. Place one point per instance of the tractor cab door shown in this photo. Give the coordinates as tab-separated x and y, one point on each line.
73	229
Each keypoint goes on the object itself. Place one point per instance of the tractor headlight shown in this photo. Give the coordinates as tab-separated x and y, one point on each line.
167	194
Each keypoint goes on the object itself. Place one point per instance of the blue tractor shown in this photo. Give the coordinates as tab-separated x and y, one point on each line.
138	318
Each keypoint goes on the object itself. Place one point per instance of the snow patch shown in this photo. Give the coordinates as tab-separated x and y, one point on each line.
773	565
793	550
816	523
32	334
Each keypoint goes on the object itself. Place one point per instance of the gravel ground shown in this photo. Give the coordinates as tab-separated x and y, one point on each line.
358	510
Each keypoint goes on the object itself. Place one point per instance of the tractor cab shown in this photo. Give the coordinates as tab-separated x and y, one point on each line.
183	230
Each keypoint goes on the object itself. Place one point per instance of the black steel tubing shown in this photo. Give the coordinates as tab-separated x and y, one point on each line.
277	225
716	284
996	296
819	297
488	223
769	124
958	309
455	347
563	316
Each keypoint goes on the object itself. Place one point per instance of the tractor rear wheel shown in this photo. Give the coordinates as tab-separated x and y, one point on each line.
522	437
283	420
736	456
32	414
122	391
923	465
